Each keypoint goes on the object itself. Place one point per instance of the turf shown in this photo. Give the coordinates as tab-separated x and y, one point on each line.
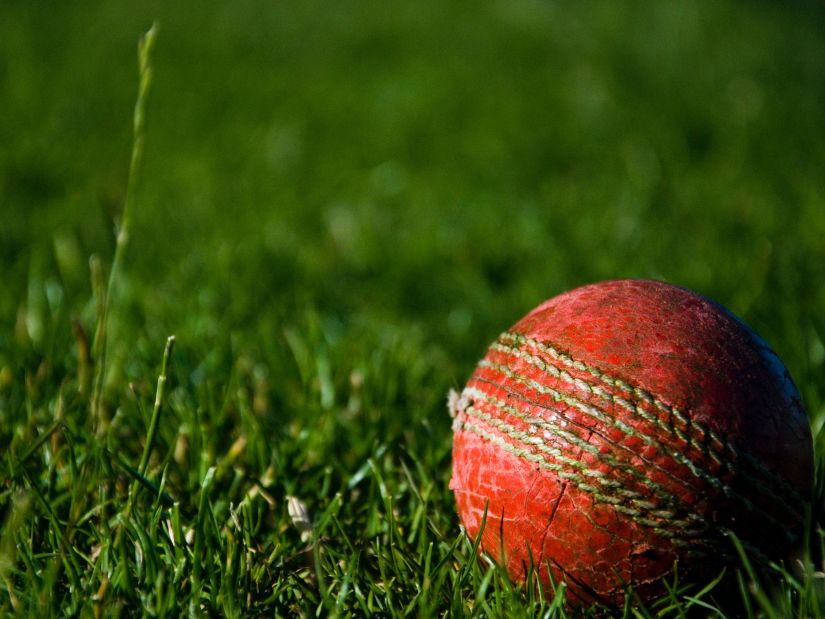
337	209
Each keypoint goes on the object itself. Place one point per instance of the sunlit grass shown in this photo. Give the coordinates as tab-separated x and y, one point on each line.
337	211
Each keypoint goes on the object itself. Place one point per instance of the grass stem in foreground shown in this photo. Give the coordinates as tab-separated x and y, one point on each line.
100	346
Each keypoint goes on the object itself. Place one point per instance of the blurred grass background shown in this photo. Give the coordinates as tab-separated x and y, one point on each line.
447	165
343	204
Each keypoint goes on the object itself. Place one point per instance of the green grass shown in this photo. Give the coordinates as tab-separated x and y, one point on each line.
338	208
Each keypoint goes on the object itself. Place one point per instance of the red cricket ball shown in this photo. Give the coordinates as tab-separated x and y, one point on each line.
623	428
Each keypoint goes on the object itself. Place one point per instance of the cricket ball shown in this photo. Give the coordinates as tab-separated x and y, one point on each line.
624	430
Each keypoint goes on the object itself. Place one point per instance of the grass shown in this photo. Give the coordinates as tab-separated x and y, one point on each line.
336	210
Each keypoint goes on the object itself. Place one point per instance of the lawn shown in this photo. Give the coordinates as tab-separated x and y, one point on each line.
339	206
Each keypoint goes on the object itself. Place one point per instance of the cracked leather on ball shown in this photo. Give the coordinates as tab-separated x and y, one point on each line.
623	428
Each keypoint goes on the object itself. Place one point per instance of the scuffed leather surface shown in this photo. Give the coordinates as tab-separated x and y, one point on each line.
588	382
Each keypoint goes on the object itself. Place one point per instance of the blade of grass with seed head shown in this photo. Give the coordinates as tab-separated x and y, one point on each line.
100	345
